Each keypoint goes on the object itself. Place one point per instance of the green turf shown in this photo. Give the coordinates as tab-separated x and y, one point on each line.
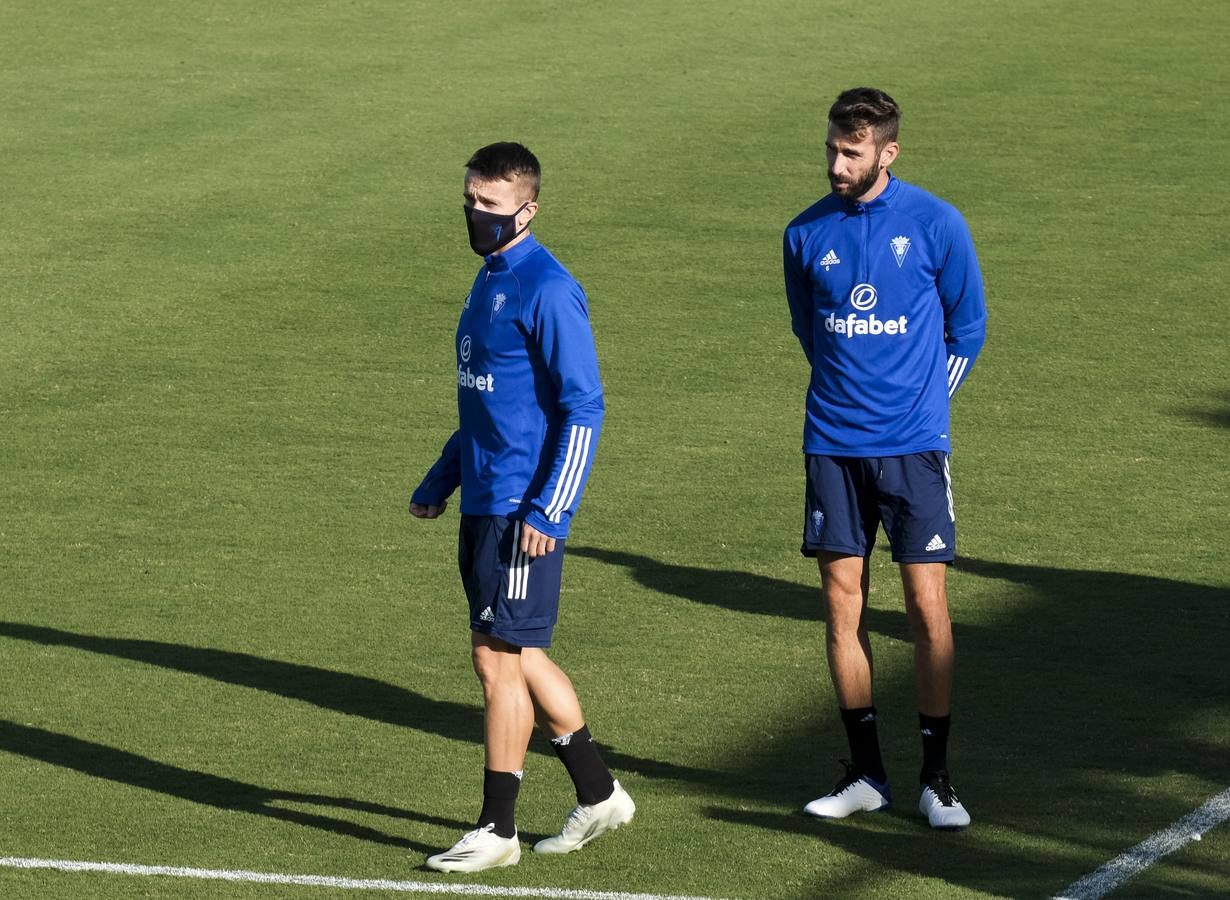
231	260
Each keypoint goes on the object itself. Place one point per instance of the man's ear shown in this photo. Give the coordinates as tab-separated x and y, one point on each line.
527	215
888	154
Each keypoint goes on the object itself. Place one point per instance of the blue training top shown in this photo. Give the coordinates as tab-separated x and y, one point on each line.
529	397
887	300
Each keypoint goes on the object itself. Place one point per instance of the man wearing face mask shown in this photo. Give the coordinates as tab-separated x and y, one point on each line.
887	301
529	401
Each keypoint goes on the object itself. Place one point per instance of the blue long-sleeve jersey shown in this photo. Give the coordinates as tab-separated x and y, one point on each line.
887	300
529	396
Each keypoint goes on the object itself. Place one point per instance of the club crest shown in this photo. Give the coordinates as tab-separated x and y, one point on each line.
901	246
815	524
498	303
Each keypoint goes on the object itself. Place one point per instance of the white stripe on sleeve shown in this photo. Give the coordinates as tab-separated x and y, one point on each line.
956	371
559	485
579	471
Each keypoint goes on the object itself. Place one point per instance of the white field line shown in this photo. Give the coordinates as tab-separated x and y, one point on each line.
1150	850
353	884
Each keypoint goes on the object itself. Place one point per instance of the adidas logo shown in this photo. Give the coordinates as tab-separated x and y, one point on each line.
488	616
936	544
830	259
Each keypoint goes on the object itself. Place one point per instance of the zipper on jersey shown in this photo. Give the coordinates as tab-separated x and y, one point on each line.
865	272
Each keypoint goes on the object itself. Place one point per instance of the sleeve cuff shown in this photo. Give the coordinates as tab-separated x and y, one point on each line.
557	530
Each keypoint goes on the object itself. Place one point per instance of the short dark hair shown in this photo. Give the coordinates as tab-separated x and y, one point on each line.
859	109
507	161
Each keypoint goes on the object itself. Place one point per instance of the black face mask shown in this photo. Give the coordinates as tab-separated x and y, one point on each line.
491	231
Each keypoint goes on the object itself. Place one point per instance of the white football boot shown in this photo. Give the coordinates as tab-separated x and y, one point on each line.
853	793
479	849
939	803
585	823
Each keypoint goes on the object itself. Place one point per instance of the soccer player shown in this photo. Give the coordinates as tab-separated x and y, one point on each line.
529	401
886	298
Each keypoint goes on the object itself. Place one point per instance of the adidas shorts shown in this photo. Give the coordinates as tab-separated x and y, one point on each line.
848	498
512	597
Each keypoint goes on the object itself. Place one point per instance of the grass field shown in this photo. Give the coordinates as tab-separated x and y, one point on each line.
231	260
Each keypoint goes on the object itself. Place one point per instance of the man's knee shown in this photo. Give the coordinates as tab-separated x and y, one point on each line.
926	595
535	658
843	585
843	615
933	631
844	605
929	618
495	660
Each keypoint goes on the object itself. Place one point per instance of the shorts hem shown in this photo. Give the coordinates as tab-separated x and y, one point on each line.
812	551
929	558
516	638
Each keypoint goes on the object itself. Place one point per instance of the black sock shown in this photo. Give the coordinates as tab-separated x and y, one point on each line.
589	774
500	801
934	730
864	743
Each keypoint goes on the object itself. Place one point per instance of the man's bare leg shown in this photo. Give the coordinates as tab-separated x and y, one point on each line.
508	710
602	805
556	707
844	585
926	605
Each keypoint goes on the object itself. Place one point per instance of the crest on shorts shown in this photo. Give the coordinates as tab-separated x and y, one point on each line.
815	523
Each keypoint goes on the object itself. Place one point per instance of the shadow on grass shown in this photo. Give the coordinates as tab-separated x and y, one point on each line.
101	761
739	591
1084	705
774	768
904	842
354	695
1216	413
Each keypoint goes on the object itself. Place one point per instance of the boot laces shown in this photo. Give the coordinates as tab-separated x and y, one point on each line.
942	788
851	777
578	818
471	836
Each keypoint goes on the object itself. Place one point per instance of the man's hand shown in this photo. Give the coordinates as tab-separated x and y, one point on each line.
534	543
420	511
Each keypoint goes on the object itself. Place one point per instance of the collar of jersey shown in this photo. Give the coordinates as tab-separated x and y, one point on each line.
882	200
506	259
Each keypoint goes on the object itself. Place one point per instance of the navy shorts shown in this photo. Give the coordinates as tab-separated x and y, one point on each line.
848	498
512	597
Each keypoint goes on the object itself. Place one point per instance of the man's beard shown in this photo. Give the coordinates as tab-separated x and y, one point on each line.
857	188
